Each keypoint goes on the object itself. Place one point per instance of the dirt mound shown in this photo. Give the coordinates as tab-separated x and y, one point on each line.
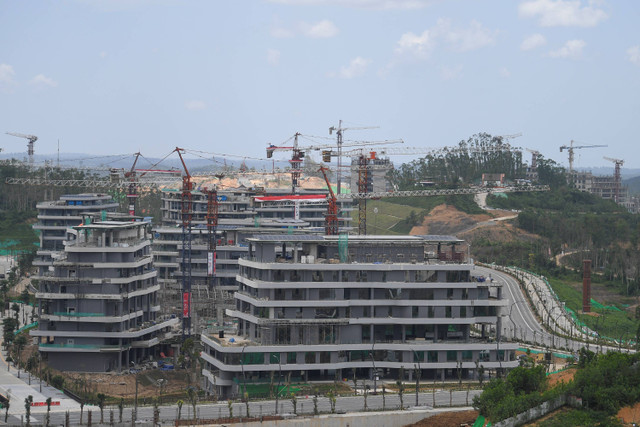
445	219
493	225
561	377
448	419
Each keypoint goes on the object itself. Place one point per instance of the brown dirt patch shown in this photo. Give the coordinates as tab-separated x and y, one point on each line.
561	377
445	219
448	419
629	414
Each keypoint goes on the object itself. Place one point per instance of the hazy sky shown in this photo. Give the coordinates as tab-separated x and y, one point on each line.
113	77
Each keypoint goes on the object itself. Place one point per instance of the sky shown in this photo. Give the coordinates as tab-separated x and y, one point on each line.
230	77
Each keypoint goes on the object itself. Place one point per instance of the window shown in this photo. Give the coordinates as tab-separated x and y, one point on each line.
447	312
310	357
291	358
467	355
432	357
463	311
452	356
430	312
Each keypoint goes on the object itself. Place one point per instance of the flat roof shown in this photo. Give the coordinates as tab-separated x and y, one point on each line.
356	239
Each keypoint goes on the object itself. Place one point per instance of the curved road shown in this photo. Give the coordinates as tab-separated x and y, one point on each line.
520	322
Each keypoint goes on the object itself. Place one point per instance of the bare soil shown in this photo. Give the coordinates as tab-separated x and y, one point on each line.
629	414
448	419
561	377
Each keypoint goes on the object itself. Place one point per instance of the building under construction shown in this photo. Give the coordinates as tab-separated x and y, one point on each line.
241	213
608	187
330	307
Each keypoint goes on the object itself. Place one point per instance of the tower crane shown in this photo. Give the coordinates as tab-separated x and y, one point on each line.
509	137
617	177
32	139
572	147
186	215
299	152
534	158
339	131
331	220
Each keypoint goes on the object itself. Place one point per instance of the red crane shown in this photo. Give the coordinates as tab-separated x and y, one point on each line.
331	219
186	215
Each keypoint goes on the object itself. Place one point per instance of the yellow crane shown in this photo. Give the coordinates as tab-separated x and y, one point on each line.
572	147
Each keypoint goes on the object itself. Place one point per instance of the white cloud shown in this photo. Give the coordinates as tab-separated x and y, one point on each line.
362	4
6	75
571	50
633	54
504	72
533	41
451	73
273	56
41	79
464	39
416	45
195	105
357	67
458	39
320	30
562	13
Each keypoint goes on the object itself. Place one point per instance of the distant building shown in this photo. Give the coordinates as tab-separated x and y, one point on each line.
493	179
98	306
603	186
327	307
375	174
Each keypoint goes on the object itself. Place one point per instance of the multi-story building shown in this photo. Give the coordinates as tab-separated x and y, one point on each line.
98	306
55	217
376	174
239	217
326	307
603	186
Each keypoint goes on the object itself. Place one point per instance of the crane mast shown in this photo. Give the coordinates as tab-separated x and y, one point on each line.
570	149
186	216
30	150
617	177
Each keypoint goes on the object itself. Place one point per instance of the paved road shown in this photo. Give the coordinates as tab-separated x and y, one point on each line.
521	324
304	405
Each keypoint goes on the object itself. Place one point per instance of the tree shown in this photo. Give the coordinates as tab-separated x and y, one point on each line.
19	343
101	399
332	401
120	408
6	408
193	399
294	402
27	407
180	402
48	411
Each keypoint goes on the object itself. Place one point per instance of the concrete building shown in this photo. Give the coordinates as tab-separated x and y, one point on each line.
55	217
603	186
98	306
376	174
239	217
329	307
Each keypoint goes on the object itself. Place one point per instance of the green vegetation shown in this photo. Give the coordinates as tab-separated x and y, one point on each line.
481	153
604	382
522	389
